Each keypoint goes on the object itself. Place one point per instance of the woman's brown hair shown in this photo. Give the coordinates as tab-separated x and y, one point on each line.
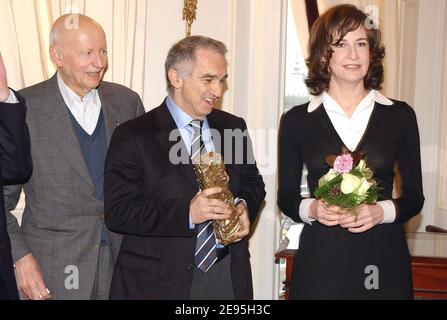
329	29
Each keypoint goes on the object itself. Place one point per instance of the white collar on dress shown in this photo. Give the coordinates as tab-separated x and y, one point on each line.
373	95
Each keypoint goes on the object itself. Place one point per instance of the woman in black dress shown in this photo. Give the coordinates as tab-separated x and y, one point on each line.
340	256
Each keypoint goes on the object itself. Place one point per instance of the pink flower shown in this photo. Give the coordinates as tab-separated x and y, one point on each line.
343	163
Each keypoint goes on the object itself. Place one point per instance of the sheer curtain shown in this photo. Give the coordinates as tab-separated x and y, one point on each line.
299	14
24	31
24	41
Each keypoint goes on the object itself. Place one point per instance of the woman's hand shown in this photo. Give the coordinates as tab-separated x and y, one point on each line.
367	217
329	216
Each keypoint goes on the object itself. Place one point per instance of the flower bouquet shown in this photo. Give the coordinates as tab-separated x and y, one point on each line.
349	183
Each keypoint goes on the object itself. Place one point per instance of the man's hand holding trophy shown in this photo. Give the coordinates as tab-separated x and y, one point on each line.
214	180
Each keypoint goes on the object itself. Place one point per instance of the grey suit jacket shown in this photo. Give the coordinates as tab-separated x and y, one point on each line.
61	224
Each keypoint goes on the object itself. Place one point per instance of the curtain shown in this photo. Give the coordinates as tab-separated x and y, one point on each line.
24	41
312	12
301	24
24	32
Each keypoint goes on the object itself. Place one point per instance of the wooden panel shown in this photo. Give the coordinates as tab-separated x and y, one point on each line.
287	254
429	275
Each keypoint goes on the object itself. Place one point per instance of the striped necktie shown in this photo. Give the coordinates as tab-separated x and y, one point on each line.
196	138
205	253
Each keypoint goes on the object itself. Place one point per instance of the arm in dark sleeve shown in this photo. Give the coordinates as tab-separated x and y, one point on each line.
140	107
252	189
128	210
411	201
290	167
15	153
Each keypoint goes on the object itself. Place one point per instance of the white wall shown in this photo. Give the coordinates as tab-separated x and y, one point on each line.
165	27
440	214
423	52
258	98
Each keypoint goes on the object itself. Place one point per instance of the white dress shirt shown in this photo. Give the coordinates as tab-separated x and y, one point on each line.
85	110
12	98
350	130
182	120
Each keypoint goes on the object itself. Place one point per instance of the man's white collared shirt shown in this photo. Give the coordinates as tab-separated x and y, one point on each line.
85	110
11	98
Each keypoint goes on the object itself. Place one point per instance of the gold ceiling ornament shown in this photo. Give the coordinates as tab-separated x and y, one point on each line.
189	14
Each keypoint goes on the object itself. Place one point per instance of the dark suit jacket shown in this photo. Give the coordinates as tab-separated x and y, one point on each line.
332	260
147	199
15	166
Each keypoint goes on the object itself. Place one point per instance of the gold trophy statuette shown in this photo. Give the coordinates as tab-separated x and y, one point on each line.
210	171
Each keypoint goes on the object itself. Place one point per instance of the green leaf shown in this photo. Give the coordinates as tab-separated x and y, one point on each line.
324	189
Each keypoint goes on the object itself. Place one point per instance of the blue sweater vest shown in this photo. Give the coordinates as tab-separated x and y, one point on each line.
94	150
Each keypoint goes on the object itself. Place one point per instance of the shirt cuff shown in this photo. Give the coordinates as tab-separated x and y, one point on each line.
237	200
191	225
389	211
304	210
12	98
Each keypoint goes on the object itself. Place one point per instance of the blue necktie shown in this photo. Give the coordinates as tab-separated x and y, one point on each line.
205	253
197	145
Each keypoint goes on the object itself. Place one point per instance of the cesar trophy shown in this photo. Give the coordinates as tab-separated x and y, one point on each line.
210	171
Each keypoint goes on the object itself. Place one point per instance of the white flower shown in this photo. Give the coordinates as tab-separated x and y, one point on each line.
327	177
330	175
361	166
364	186
349	183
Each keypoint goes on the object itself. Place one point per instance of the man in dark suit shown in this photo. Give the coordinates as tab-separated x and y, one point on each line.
62	245
151	194
15	167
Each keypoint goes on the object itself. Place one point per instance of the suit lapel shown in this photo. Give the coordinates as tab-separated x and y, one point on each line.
110	109
217	133
64	134
166	125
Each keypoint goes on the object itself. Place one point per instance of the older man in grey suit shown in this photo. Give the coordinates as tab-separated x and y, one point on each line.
62	248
